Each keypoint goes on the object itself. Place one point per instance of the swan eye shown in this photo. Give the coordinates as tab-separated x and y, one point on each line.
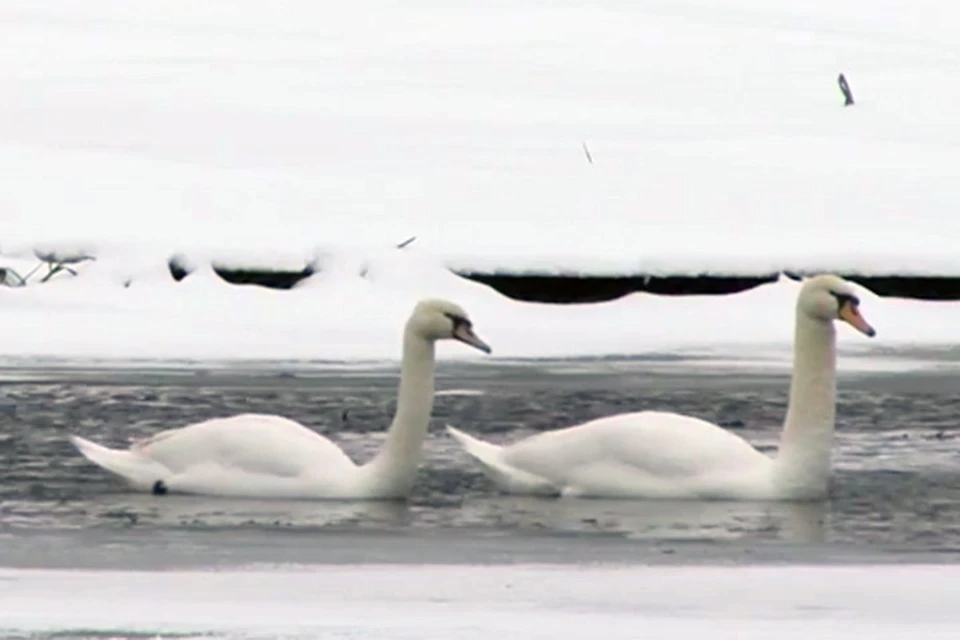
845	298
458	321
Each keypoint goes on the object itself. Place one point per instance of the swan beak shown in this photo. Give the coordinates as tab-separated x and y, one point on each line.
850	314
465	334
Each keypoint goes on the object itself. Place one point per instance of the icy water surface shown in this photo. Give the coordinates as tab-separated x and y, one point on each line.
896	493
82	557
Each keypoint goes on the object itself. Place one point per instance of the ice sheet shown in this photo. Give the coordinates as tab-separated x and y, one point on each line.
487	602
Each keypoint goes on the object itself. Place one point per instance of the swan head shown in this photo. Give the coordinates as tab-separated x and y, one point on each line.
828	298
443	320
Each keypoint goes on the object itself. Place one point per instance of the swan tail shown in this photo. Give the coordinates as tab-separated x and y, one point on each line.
508	478
138	470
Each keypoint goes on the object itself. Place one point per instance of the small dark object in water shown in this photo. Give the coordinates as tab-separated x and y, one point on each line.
159	488
733	424
344	416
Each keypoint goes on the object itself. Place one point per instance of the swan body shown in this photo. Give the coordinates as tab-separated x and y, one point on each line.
264	456
648	454
656	455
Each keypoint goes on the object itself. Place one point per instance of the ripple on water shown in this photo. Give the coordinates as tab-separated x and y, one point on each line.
896	480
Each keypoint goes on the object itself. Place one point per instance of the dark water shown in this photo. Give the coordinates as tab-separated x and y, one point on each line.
896	493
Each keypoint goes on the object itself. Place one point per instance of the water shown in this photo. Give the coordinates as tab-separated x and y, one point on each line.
82	557
895	494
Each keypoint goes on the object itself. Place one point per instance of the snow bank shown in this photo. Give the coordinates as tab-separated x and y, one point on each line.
354	308
716	132
238	133
497	601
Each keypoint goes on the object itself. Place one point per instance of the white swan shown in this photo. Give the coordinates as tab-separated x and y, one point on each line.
653	454
264	456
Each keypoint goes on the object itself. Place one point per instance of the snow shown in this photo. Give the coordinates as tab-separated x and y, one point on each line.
307	133
716	130
340	314
524	601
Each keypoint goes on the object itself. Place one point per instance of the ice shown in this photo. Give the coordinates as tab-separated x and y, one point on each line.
522	601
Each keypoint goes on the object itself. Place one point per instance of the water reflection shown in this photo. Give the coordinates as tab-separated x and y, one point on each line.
187	511
641	520
661	520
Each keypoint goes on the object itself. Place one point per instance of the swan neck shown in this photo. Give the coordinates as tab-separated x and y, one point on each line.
396	464
803	462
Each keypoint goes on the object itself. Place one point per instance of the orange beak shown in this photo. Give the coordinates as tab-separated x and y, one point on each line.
850	314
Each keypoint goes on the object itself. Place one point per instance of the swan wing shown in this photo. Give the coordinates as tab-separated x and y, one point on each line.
251	443
645	453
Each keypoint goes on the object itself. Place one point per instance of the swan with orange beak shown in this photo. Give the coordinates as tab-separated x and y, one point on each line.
664	455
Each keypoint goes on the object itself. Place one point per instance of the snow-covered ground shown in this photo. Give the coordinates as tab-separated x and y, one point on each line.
271	134
528	602
342	315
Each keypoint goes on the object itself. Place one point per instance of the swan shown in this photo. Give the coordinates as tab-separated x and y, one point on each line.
660	455
265	456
